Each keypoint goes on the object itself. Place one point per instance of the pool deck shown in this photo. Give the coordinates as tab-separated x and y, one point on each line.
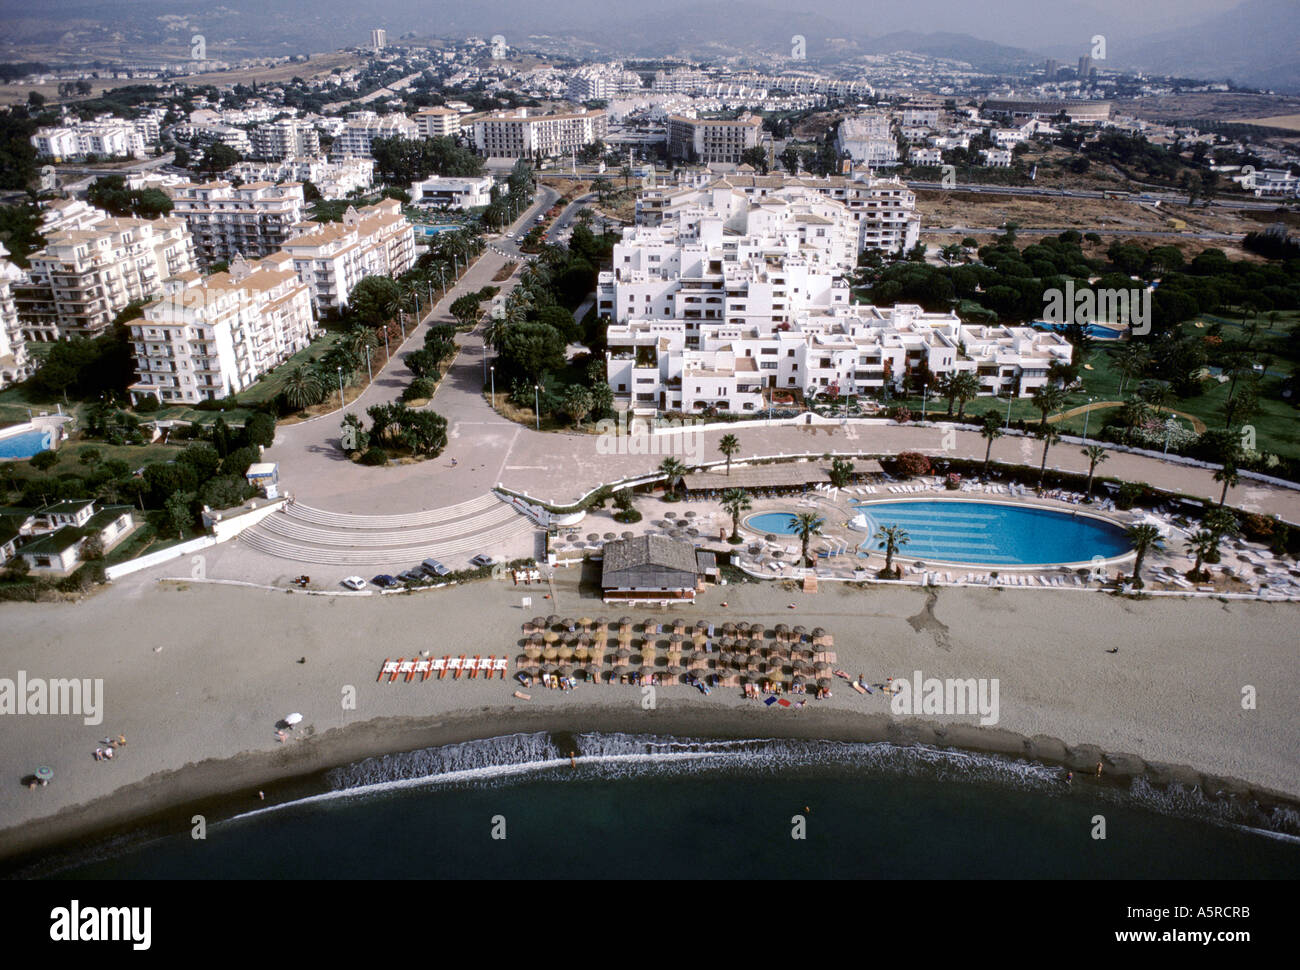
1246	570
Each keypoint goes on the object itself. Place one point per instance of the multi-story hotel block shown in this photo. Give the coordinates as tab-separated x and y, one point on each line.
333	257
521	134
204	339
884	209
867	140
732	294
363	127
84	277
250	220
58	215
334	180
452	193
706	141
108	137
286	138
14	364
437	122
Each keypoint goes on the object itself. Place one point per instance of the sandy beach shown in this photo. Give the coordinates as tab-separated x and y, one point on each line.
196	677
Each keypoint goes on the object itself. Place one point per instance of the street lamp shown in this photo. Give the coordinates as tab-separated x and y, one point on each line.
537	407
925	393
1009	399
386	354
492	376
343	404
1086	414
369	373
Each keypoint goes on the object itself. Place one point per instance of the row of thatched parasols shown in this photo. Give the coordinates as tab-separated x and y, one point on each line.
626	626
737	658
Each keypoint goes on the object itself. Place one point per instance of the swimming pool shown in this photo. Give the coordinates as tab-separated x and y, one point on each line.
26	444
775	523
993	533
1094	330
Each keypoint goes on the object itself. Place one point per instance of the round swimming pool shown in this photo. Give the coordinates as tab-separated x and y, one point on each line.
994	533
776	523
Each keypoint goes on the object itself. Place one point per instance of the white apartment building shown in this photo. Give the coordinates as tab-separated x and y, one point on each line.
1272	182
924	156
286	138
452	193
884	209
250	220
108	138
363	127
867	140
601	82
333	179
84	277
333	257
58	215
14	363
520	134
437	122
1008	137
205	339
921	115
668	365
706	141
995	157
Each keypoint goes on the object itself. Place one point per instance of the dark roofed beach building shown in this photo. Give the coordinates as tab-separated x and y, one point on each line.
650	569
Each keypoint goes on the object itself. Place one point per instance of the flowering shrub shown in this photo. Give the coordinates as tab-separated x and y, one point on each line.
952	482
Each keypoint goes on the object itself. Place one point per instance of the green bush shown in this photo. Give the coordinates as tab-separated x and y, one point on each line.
375	456
421	387
45	460
147	404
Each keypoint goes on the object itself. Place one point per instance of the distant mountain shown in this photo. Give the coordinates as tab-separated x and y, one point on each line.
1256	44
982	54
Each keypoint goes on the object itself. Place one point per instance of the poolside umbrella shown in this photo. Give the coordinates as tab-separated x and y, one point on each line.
292	719
627	535
692	531
670	515
610	537
755	549
690	515
593	536
823	681
770	538
44	773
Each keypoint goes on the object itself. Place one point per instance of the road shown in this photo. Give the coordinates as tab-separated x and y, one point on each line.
980	188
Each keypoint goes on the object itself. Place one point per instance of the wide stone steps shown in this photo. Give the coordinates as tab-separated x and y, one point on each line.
287	525
345	520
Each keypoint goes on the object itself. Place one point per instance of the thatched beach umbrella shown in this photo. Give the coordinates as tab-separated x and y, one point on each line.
649	626
618	671
593	672
625	625
552	619
647	673
756	631
566	652
551	653
623	653
533	650
702	626
743	628
670	515
539	624
582	653
566	670
610	537
729	629
782	632
550	636
823	682
799	632
585	622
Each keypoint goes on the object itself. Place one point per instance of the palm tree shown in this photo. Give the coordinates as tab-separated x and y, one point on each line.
1050	437
736	501
1206	544
1228	475
990	431
807	525
965	387
1047	398
729	445
1143	537
1095	454
673	471
302	388
1132	362
894	537
359	339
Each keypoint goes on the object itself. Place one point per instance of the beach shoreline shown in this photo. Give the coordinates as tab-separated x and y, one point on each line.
197	677
221	789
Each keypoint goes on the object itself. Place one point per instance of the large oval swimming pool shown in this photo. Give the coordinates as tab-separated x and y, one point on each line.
993	533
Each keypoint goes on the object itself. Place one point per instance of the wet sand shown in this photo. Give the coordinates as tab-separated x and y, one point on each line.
200	713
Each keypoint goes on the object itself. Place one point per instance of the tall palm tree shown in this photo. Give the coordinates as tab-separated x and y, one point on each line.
894	537
1143	537
736	501
729	445
807	525
1095	454
1047	398
1228	475
673	471
1132	362
990	431
1050	437
302	388
966	387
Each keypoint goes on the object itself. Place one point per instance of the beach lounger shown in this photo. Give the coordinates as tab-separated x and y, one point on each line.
500	665
408	668
440	666
389	667
454	664
397	667
422	667
522	696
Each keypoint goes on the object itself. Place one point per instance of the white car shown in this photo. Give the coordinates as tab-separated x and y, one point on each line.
354	582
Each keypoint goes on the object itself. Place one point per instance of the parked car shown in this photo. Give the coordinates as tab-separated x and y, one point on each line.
385	581
354	582
411	576
481	560
434	568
